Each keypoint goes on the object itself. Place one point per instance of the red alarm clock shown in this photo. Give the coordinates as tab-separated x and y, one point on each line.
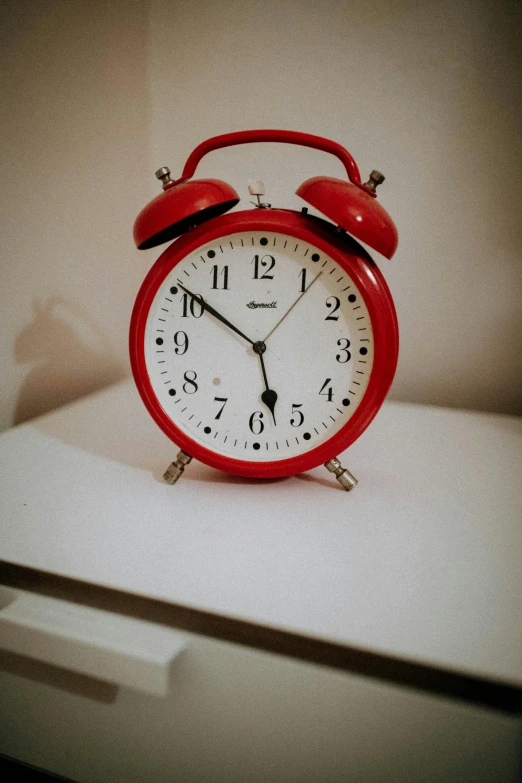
264	341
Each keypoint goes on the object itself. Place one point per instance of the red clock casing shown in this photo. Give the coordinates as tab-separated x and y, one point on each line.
343	250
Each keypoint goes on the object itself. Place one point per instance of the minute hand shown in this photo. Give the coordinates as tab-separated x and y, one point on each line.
210	309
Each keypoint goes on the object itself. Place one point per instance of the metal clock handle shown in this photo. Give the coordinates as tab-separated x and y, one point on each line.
282	136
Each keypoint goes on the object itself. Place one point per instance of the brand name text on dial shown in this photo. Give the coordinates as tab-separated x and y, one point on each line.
253	304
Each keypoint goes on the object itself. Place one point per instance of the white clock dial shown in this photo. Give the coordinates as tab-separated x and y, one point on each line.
276	290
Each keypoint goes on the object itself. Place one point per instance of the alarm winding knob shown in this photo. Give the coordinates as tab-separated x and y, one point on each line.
256	187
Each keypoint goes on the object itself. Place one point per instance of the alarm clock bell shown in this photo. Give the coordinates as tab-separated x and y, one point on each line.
187	202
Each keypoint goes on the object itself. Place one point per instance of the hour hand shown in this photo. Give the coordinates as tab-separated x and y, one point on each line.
269	397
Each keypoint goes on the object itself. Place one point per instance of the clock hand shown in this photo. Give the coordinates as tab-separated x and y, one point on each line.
292	307
269	396
212	311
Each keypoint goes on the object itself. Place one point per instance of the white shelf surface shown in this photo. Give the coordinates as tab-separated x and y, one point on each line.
420	561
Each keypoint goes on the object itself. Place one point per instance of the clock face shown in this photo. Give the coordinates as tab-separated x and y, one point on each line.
282	363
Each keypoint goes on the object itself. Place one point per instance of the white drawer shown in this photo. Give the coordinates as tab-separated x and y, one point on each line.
234	714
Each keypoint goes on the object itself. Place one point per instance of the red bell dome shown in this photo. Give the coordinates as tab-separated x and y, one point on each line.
179	207
354	209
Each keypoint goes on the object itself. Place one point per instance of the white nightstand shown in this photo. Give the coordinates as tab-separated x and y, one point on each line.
407	590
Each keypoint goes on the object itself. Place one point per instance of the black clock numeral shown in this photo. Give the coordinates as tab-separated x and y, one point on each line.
344	348
191	305
327	392
334	302
270	263
190	386
297	416
302	275
181	341
224	400
257	423
215	274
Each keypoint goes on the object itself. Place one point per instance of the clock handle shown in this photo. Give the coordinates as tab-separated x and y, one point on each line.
283	136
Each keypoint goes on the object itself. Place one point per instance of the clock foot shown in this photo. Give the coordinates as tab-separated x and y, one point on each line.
176	468
343	476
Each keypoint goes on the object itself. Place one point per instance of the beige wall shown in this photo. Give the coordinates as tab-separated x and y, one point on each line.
427	92
74	124
97	95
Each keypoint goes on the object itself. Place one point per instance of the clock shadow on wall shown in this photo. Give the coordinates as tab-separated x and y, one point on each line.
68	355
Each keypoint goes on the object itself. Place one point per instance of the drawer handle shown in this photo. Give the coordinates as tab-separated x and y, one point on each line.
132	653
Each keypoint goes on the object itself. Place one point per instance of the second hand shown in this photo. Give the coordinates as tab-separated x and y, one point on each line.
291	308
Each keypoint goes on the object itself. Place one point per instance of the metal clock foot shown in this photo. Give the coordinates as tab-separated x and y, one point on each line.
176	468
343	476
